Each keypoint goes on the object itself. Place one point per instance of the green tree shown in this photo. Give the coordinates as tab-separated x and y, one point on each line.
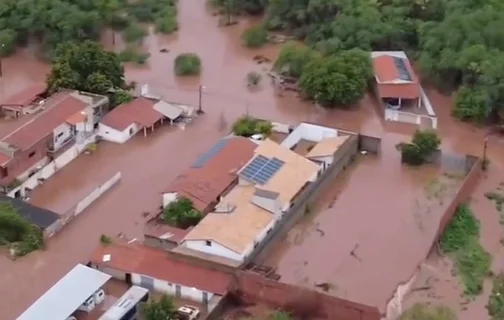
337	80
17	232
181	213
472	104
293	58
7	42
162	309
422	146
134	33
120	96
247	126
85	66
187	64
255	37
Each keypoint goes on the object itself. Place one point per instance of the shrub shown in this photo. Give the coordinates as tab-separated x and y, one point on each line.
496	299
461	241
167	21
422	311
105	240
253	78
255	37
134	32
131	55
187	64
423	145
181	213
293	58
247	126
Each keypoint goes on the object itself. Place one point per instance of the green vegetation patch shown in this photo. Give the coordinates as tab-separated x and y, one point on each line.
16	232
187	64
255	37
423	311
461	242
181	213
496	299
422	146
247	126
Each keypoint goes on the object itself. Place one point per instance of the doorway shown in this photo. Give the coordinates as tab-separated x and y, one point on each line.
128	279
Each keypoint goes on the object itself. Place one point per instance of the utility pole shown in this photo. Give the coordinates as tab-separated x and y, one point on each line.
1	54
200	110
228	11
485	145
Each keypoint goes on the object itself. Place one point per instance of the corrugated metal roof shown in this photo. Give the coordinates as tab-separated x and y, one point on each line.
59	302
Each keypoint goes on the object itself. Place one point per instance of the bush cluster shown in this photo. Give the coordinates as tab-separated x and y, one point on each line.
187	64
248	126
422	146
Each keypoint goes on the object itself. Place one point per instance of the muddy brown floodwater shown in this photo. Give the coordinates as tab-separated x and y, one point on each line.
147	165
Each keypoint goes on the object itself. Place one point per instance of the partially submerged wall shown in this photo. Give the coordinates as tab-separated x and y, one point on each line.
83	204
253	288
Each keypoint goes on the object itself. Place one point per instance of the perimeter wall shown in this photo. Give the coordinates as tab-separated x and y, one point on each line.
253	288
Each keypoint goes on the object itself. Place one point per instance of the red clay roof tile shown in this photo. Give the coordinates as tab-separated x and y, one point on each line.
386	71
204	185
57	109
25	96
140	110
156	263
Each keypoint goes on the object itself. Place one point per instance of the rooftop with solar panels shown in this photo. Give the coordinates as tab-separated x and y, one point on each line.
399	90
268	185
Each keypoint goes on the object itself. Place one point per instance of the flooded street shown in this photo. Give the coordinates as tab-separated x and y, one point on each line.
148	164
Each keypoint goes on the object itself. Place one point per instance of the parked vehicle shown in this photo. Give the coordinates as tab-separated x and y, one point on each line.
88	306
187	312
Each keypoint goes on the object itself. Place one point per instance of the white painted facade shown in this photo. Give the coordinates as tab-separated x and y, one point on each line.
310	132
61	134
47	169
214	248
169	197
113	135
173	289
324	162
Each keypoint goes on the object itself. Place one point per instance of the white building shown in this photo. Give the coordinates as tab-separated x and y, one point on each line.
127	119
153	269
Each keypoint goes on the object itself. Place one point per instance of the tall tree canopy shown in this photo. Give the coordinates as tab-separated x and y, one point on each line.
85	66
458	44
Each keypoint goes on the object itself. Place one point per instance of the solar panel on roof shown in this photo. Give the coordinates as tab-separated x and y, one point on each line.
403	71
203	159
261	169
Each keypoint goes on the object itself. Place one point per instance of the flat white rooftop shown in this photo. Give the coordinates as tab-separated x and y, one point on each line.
62	299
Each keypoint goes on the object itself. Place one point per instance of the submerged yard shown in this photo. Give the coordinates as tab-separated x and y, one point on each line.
375	224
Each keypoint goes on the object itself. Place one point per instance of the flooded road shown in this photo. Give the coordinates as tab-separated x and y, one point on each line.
148	164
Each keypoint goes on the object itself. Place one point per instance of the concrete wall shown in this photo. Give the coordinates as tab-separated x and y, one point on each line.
110	134
85	203
310	132
47	171
61	134
342	157
253	288
214	248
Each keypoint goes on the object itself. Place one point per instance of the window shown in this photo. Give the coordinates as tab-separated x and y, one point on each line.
60	134
208	243
131	131
31	154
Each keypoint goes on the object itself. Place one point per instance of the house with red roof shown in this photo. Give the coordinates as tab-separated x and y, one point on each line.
158	270
396	83
24	102
57	123
142	113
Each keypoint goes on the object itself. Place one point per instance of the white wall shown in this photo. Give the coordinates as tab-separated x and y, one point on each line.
271	205
88	124
113	135
327	160
169	197
310	132
61	134
50	168
169	288
214	249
